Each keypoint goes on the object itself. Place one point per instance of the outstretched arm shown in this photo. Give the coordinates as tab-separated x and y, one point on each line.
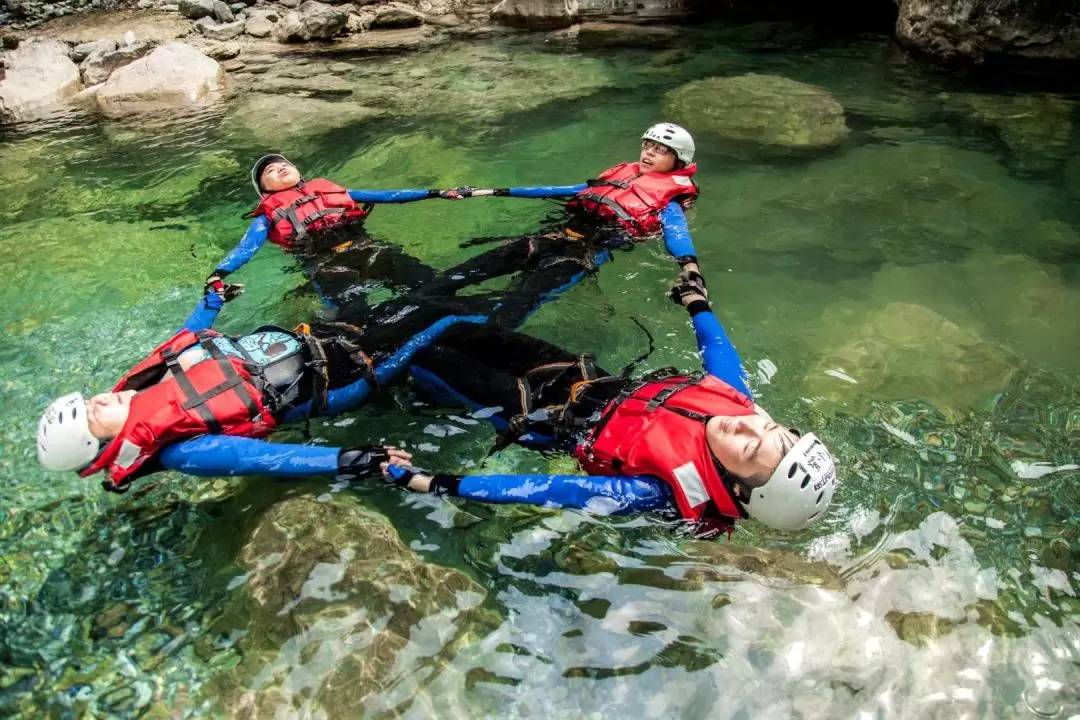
719	355
219	455
677	236
393	196
540	191
205	313
603	495
253	239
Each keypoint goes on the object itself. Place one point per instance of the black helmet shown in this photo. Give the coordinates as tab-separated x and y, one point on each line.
260	165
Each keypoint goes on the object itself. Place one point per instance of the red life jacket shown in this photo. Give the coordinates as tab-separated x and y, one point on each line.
658	429
216	396
311	205
635	199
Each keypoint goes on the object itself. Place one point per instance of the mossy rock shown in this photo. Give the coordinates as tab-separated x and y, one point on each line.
771	113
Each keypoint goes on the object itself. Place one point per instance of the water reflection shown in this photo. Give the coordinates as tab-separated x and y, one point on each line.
922	292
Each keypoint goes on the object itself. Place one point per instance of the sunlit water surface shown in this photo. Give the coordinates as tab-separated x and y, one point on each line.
911	296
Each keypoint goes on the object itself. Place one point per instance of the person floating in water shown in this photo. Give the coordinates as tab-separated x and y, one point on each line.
627	203
695	443
322	223
201	401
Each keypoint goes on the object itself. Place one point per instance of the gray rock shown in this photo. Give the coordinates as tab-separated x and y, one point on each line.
535	14
39	76
259	26
173	75
145	4
222	13
97	67
170	7
313	21
195	9
971	30
85	50
223	51
395	17
238	8
290	3
226	31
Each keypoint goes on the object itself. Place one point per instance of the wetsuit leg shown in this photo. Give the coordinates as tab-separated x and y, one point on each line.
509	257
494	368
554	266
345	263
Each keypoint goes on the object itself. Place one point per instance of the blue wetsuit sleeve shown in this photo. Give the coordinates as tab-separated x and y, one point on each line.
603	495
545	191
389	196
204	314
677	232
218	455
720	357
253	239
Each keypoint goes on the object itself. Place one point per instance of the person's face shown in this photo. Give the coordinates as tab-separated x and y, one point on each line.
656	157
748	446
279	175
106	413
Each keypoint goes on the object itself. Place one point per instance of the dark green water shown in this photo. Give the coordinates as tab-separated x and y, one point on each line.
912	296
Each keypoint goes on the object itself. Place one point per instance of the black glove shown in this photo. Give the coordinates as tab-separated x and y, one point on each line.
458	193
441	484
361	462
684	287
216	284
693	276
109	486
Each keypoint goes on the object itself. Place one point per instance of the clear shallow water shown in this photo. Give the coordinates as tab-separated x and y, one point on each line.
911	296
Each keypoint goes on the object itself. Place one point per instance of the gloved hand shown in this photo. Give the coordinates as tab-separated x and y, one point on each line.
366	461
109	486
216	284
686	291
458	193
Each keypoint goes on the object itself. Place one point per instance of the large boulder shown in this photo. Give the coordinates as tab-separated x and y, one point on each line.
972	30
767	112
313	21
174	74
98	66
536	14
195	9
39	77
332	594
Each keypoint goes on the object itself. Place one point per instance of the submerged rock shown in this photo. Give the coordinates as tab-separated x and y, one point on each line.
335	611
290	120
767	112
39	77
1037	128
907	351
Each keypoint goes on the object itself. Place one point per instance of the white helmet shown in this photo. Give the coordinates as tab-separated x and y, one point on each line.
799	489
260	165
64	441
674	137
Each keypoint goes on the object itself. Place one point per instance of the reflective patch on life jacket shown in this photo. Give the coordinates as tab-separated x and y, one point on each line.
692	484
128	454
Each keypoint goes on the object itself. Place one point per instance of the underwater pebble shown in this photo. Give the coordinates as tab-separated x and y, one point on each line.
1032	532
974	507
427	447
994	523
345	423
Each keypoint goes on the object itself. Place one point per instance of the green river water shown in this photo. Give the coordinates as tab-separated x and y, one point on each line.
912	296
